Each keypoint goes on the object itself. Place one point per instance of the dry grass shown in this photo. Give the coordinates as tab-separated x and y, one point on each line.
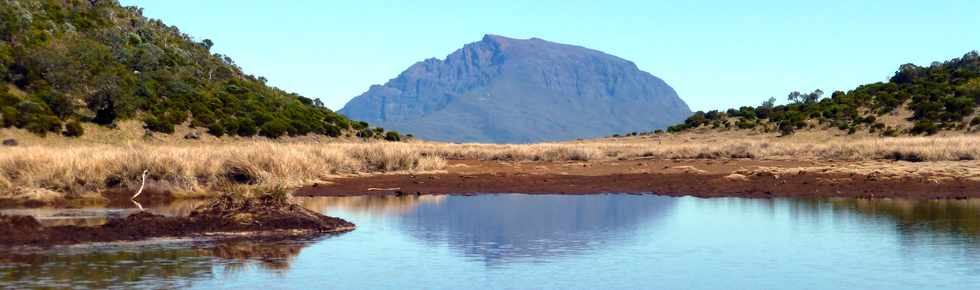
53	168
49	172
952	148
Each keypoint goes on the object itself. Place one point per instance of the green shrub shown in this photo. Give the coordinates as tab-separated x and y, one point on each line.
927	127
73	129
157	124
216	129
365	133
60	104
786	128
274	128
393	136
330	130
890	132
230	125
247	128
9	116
745	124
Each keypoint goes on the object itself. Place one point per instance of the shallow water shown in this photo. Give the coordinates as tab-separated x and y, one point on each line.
567	242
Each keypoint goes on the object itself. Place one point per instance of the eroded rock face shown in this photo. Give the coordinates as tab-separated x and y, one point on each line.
506	90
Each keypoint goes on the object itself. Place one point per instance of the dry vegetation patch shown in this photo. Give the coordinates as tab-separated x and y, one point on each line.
47	173
62	169
684	146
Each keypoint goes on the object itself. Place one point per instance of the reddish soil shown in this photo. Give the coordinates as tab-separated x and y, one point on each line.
701	178
225	215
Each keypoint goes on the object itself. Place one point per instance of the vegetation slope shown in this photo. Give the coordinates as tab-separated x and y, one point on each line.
923	100
63	62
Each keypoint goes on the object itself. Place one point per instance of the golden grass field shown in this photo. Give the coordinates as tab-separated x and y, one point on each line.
54	168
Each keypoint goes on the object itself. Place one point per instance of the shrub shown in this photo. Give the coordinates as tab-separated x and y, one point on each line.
365	133
274	128
786	128
9	116
745	124
393	136
60	104
73	129
330	130
157	124
216	129
927	127
246	128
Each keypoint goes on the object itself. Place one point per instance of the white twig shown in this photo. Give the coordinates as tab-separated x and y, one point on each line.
138	204
384	189
141	185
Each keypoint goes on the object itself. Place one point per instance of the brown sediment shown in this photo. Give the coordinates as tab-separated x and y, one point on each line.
265	215
701	178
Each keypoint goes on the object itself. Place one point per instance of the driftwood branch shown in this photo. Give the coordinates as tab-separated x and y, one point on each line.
138	192
384	189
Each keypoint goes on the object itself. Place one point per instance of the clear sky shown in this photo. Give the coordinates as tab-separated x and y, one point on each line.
716	54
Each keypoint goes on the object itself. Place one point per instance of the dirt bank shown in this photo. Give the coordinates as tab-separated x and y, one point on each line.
702	178
265	215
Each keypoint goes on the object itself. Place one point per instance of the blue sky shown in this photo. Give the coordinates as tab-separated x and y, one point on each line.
716	54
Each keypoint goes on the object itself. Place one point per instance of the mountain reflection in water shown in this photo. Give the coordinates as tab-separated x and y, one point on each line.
497	228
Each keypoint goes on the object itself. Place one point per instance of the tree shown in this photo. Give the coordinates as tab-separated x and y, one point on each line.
812	97
112	99
794	97
770	103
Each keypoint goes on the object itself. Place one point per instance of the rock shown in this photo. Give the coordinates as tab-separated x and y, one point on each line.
9	142
193	135
506	90
736	177
689	169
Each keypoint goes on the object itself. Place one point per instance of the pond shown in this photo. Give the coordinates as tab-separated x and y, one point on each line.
513	241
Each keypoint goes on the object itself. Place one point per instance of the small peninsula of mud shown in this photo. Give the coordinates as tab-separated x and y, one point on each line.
266	215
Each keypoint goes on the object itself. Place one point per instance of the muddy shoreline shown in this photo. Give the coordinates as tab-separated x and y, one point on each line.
224	217
700	178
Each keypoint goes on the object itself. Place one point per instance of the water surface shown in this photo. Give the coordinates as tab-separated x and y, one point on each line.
568	242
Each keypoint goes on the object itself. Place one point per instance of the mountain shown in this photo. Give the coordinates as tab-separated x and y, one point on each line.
71	61
916	100
506	90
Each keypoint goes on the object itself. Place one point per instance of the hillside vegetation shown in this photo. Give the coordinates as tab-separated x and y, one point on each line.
63	62
924	100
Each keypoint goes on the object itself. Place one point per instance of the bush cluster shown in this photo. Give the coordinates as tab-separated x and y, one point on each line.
941	97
